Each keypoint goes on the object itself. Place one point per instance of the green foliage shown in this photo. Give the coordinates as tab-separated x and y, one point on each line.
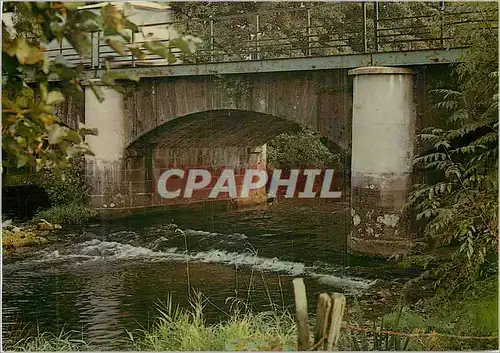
442	324
235	87
302	148
69	213
45	342
460	206
471	312
67	186
32	134
335	28
16	238
186	330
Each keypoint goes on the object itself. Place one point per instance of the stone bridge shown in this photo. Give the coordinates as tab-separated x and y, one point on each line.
221	114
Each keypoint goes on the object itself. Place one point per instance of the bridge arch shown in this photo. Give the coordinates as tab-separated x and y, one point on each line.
212	140
215	128
321	101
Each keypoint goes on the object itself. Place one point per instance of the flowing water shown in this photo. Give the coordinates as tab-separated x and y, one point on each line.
110	277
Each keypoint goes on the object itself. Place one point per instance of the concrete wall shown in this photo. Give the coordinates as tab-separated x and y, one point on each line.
384	139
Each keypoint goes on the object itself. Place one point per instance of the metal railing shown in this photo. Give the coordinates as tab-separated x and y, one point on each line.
317	30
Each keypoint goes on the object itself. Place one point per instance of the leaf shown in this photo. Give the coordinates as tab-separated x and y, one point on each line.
130	25
46	65
27	54
181	44
89	21
138	53
157	48
121	75
54	97
117	45
57	29
112	20
80	42
98	92
21	160
88	131
43	90
171	58
73	136
73	6
56	133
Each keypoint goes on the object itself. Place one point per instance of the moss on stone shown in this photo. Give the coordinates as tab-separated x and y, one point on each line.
16	238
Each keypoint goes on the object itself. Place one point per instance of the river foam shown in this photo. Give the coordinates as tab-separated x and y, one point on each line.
95	251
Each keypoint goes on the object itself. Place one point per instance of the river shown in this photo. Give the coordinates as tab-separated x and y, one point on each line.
106	278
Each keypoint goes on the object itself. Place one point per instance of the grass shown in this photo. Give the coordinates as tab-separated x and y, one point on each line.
186	330
45	342
72	213
178	329
473	313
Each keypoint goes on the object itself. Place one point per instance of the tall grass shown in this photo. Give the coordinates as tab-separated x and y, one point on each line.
44	342
180	329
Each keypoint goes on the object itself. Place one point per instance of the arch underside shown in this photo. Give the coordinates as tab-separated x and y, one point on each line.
217	128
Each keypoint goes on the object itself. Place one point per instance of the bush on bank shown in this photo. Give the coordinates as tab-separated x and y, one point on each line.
67	192
72	213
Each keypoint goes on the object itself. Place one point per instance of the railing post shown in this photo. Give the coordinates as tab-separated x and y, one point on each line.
309	32
133	41
376	21
94	61
99	49
441	24
91	50
257	29
212	59
365	39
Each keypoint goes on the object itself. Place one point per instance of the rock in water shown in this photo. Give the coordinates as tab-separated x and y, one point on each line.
89	236
44	225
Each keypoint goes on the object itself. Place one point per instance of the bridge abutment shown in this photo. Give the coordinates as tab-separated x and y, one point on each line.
104	170
383	139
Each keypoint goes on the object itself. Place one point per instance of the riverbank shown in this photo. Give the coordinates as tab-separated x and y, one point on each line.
15	237
106	278
449	326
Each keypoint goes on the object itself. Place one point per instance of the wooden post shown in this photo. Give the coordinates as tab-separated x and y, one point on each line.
301	312
323	311
336	322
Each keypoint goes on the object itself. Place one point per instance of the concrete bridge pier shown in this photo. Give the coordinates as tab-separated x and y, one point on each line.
256	161
383	138
104	170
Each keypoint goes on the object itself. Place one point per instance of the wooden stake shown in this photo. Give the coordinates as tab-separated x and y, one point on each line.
336	322
301	312
322	315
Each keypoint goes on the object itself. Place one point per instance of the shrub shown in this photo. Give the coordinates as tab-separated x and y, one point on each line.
72	213
66	186
460	207
302	148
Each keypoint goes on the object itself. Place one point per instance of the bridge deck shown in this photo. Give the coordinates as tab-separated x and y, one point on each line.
316	36
421	57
